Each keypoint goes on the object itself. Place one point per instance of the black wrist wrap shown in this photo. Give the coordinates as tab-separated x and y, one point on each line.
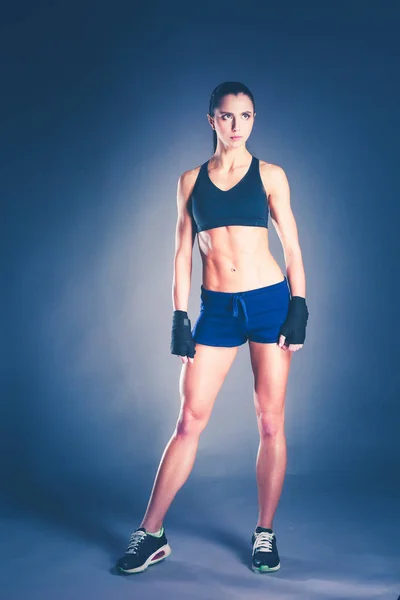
294	328
182	342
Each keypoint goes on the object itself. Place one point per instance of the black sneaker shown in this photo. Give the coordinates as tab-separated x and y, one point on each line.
265	556
143	550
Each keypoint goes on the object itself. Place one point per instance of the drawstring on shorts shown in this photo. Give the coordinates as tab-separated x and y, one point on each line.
238	297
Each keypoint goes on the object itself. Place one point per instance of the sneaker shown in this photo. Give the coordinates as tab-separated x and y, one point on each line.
143	550
265	556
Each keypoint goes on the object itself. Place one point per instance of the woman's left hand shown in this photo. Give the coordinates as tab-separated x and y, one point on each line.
291	347
293	330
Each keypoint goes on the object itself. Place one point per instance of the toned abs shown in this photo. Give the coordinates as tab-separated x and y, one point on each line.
237	258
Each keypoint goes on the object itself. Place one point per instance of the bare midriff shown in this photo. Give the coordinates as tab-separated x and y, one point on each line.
237	258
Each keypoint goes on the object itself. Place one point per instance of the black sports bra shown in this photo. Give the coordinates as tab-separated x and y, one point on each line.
245	203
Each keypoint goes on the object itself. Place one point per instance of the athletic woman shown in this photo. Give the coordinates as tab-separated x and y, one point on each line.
244	297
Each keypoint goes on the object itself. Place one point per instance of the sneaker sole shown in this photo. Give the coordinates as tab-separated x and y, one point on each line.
265	569
154	558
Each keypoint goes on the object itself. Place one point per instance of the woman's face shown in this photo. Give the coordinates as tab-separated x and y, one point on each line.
234	117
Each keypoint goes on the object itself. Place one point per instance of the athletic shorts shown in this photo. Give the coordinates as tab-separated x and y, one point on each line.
230	319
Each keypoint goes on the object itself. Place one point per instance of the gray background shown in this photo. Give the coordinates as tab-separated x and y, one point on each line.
103	107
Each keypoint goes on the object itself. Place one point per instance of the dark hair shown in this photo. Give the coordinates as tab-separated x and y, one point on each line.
223	89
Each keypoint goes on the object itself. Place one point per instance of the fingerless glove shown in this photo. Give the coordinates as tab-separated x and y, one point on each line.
294	328
182	342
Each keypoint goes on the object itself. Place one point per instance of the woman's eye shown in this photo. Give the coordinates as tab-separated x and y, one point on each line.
229	116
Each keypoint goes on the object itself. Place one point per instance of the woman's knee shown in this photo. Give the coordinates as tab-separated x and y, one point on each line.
191	422
271	424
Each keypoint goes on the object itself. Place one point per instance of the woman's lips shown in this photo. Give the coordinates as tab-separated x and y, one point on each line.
236	137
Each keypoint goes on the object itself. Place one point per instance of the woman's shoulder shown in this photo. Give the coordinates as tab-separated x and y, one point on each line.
269	170
273	176
267	166
192	172
188	178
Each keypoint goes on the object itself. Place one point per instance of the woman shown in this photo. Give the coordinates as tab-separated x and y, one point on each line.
244	296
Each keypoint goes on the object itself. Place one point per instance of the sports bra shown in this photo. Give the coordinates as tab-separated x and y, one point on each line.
244	204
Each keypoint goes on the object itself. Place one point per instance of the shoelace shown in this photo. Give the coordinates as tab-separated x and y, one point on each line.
134	541
263	542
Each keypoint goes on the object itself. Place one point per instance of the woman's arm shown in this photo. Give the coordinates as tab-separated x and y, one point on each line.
286	228
184	239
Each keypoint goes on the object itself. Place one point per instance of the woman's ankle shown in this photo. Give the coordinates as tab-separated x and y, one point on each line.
151	527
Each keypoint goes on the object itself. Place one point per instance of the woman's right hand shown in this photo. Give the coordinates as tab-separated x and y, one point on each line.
182	343
185	359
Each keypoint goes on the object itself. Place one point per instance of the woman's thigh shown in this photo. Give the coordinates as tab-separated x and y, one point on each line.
270	366
201	380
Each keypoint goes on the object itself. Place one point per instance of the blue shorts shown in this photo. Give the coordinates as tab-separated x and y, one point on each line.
230	319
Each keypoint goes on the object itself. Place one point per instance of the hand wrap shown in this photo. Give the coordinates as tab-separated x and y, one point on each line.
294	328
182	342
